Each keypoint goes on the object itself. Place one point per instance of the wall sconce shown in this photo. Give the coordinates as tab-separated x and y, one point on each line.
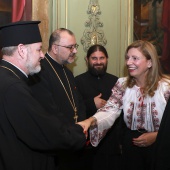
93	35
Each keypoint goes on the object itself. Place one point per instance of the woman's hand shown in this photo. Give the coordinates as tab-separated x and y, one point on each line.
87	123
145	139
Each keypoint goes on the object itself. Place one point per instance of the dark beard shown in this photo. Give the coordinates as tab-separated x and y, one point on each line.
97	72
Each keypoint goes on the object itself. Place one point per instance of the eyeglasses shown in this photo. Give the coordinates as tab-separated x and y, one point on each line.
71	47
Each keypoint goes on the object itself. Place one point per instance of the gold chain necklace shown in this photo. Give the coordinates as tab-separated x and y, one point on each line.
10	70
71	102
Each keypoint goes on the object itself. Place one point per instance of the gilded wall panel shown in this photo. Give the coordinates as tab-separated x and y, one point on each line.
40	11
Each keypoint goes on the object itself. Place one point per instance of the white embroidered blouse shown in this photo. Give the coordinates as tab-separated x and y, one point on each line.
139	113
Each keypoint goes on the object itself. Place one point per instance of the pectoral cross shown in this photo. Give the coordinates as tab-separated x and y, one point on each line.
75	115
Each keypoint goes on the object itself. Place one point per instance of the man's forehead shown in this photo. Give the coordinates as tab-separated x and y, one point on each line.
65	36
98	55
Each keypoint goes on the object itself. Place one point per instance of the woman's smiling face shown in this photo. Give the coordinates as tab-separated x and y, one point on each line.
137	64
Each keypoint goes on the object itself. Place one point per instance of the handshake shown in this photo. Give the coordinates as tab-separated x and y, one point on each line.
85	124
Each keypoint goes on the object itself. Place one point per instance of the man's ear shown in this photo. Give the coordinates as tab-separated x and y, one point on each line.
54	49
21	50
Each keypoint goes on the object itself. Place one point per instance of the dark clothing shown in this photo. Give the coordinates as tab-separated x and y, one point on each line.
48	90
134	157
161	156
29	136
107	154
91	86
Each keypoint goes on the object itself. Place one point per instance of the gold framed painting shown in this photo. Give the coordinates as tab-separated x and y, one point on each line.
151	23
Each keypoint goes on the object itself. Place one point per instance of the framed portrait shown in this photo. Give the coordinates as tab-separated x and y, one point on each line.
152	23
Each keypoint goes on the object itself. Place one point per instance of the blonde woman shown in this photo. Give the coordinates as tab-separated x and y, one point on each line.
142	96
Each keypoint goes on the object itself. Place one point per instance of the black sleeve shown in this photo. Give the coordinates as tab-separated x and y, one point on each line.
89	102
36	128
162	144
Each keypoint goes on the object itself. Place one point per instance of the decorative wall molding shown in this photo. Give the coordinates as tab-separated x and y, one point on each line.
93	34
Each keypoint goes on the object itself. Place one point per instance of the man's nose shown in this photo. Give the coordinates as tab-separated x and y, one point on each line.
98	61
75	50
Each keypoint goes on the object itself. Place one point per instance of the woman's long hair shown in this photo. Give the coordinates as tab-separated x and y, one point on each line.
154	74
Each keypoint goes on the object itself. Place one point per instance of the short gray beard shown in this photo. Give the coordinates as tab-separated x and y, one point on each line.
32	70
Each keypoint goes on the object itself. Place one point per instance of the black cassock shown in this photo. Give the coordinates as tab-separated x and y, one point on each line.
30	136
107	154
48	90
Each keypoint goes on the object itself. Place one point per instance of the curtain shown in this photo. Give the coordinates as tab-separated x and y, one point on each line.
165	59
17	9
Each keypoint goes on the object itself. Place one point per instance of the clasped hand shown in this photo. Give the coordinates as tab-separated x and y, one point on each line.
85	124
145	139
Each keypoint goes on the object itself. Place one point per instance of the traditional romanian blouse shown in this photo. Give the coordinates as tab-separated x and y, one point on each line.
139	112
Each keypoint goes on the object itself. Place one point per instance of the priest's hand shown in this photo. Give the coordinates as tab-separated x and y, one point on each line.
99	102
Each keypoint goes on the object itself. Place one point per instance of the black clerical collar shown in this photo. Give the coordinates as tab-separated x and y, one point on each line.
53	61
98	76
